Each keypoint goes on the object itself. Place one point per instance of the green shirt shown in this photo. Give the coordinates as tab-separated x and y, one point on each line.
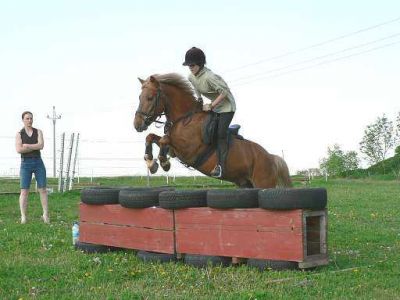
211	85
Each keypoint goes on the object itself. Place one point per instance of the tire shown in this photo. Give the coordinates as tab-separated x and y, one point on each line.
140	197
266	264
201	261
183	199
306	198
148	256
100	195
93	248
232	198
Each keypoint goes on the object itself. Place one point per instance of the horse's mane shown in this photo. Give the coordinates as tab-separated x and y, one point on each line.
178	81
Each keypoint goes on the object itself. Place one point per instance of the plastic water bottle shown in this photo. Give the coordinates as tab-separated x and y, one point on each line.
75	232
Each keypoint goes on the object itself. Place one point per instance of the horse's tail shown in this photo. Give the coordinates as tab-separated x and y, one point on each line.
283	172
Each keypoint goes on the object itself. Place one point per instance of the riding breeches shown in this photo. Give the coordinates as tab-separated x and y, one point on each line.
224	119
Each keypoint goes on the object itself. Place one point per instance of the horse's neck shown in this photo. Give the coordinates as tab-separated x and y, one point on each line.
179	104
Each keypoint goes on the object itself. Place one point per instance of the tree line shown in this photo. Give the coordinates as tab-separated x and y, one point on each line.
379	139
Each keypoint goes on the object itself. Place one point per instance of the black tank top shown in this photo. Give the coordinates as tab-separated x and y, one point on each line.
26	139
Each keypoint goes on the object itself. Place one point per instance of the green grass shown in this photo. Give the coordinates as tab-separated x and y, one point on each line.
37	261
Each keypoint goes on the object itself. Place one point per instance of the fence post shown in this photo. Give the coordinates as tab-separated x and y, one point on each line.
71	181
60	174
71	144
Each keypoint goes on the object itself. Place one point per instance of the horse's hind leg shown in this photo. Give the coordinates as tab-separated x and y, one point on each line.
264	173
244	183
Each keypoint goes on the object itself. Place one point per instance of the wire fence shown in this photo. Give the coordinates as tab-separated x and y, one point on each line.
95	158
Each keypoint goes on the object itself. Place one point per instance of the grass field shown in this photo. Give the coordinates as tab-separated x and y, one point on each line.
37	261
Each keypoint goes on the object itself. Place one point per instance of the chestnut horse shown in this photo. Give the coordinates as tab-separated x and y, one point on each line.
247	165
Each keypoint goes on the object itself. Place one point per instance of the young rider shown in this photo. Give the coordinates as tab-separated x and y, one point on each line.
213	87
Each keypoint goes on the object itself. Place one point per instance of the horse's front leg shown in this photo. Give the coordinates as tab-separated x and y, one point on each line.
152	164
163	143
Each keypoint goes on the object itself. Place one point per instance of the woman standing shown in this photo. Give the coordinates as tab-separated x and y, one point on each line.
29	142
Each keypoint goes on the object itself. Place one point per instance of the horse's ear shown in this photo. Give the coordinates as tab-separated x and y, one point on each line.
141	80
153	80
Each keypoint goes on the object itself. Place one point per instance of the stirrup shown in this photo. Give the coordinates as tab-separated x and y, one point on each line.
217	172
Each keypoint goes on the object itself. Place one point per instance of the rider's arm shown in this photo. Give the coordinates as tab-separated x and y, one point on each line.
218	100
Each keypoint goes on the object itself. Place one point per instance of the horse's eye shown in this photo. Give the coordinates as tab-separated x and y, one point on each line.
149	98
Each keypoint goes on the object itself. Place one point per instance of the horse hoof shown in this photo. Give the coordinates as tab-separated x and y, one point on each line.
148	157
166	165
153	167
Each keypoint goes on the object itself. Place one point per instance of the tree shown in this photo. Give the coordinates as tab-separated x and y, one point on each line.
333	165
397	131
397	150
378	139
338	162
351	161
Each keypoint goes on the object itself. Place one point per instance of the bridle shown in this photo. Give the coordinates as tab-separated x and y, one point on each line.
152	116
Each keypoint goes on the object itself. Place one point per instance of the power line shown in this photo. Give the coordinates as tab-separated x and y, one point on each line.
314	45
317	58
323	63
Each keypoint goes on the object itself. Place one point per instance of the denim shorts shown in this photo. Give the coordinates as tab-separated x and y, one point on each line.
29	166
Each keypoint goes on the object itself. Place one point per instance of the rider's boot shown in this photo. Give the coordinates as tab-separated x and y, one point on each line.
216	172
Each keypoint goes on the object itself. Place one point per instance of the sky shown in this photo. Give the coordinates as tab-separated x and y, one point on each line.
305	74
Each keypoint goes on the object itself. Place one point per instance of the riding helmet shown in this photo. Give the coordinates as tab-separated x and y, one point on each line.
195	56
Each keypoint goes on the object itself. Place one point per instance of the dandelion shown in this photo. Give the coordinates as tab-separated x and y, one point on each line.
97	260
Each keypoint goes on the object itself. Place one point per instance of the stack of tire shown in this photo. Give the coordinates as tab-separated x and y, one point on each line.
169	198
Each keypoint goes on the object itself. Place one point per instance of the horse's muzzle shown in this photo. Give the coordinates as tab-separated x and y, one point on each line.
141	128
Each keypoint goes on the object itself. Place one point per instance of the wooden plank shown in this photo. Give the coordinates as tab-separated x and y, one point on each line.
251	233
314	261
129	237
152	217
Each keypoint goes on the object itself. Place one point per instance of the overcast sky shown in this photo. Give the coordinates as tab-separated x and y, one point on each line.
305	74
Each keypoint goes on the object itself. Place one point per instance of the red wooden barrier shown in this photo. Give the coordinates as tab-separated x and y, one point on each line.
150	229
292	235
289	235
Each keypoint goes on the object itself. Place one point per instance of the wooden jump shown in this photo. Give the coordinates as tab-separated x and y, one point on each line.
289	235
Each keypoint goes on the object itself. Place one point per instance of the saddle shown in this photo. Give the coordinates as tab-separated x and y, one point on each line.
209	130
209	137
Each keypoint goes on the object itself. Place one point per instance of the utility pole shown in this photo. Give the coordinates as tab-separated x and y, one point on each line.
54	117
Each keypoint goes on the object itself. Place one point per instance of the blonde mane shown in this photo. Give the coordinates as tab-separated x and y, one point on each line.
178	81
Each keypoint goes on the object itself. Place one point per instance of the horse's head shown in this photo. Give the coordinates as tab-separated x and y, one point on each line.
150	104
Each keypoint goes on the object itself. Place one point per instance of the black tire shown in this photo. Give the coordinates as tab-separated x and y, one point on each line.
141	197
266	264
183	199
100	195
201	261
304	198
232	198
148	256
93	248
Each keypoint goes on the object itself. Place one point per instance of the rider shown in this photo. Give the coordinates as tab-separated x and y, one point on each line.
212	86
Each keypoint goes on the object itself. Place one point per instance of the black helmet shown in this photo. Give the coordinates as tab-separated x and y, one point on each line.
195	56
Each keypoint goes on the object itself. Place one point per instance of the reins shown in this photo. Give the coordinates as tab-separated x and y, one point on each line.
153	117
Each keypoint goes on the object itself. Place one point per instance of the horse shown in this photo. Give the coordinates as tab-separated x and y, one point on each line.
248	165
